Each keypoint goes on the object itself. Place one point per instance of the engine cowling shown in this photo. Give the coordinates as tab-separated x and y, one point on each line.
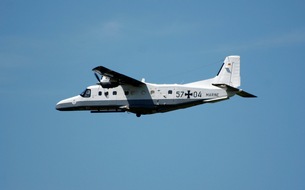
107	82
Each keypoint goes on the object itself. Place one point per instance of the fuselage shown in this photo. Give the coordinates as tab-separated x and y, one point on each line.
146	99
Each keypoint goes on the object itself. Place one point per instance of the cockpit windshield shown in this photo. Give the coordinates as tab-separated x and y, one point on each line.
86	93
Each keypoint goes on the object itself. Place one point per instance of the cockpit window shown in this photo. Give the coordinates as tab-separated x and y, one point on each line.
86	93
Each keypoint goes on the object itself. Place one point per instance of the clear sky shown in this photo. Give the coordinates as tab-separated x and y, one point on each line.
47	51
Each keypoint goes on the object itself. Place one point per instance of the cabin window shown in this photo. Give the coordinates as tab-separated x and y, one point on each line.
126	93
170	92
114	93
152	92
99	93
86	93
106	93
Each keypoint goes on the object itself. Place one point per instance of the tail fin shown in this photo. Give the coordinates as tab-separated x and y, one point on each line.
229	73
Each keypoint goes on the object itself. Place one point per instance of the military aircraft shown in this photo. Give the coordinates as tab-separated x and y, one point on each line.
116	92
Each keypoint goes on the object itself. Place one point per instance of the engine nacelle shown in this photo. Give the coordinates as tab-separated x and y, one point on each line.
107	82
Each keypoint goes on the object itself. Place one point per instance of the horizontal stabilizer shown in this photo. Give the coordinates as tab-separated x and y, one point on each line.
239	92
245	94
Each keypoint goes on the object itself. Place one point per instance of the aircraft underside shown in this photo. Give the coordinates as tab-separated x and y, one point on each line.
139	107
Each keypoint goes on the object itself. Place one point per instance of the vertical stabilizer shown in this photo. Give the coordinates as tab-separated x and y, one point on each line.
229	73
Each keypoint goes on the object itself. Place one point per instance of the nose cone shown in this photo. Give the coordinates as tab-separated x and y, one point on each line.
61	105
66	104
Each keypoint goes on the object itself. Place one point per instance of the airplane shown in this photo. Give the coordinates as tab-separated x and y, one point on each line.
115	92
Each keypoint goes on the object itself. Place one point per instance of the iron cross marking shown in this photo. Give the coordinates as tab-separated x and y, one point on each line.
188	94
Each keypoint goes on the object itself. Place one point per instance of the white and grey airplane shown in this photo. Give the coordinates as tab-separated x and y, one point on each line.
116	92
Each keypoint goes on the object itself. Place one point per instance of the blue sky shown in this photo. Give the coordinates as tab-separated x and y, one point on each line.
47	51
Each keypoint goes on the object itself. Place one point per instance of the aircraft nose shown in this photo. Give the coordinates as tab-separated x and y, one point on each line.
61	106
65	105
68	104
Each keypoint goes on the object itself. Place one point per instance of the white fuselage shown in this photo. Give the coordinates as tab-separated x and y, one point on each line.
146	99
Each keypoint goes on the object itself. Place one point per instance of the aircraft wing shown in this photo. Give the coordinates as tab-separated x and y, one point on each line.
122	79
